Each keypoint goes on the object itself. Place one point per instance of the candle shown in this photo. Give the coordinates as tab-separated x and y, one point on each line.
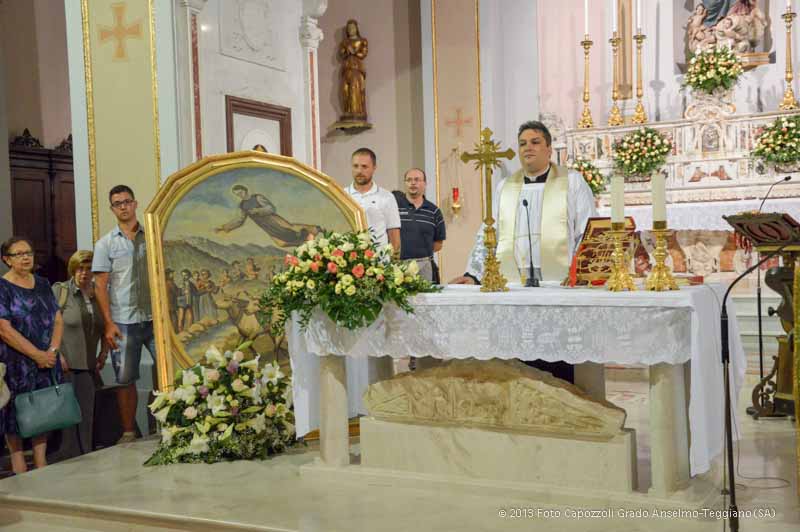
659	197
455	194
586	17
639	16
617	199
613	15
788	6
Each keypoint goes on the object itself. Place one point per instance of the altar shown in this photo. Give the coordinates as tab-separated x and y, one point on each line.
676	334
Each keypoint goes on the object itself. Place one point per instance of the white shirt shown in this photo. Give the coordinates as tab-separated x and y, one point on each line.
580	207
381	210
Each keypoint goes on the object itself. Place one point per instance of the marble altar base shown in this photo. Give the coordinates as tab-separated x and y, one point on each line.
500	455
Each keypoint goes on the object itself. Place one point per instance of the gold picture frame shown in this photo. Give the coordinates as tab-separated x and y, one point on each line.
206	178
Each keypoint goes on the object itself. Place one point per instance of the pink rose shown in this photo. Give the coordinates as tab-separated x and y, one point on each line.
314	266
369	253
358	271
337	253
332	267
353	255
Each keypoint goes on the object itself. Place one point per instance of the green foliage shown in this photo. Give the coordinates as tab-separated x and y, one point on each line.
779	142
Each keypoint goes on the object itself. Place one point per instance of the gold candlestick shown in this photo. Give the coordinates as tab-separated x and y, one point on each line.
789	102
615	117
660	277
487	155
620	278
586	117
639	115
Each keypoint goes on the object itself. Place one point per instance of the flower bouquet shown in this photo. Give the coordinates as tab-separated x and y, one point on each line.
640	153
224	408
713	69
778	144
593	177
346	276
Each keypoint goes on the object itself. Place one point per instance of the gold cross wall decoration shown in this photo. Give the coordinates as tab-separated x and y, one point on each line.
120	32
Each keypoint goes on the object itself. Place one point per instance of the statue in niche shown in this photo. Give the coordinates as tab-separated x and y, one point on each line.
353	90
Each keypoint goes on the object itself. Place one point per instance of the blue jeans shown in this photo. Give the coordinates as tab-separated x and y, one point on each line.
126	358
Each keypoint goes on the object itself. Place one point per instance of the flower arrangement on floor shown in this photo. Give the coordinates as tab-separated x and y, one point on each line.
640	153
779	142
713	69
592	175
346	276
224	408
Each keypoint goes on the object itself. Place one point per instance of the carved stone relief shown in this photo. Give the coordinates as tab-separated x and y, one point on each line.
248	31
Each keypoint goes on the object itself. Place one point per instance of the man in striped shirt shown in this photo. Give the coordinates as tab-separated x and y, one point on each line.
422	229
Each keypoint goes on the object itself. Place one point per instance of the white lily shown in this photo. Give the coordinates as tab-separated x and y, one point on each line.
198	445
215	358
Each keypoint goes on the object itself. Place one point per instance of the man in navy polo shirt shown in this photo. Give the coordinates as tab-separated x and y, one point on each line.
422	229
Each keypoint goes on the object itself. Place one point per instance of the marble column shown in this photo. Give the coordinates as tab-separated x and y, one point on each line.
334	435
310	37
187	75
669	438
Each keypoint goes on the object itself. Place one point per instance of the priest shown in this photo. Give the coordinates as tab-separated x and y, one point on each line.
559	203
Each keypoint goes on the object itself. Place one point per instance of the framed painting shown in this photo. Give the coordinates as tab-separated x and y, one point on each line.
249	123
216	232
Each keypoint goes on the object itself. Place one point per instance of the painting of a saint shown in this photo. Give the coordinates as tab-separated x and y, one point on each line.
223	240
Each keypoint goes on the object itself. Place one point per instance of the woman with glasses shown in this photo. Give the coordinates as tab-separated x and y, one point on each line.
83	329
30	337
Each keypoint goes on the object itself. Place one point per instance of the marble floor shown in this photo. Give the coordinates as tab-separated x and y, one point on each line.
110	491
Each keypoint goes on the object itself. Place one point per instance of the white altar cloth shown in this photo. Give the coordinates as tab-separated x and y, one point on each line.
549	323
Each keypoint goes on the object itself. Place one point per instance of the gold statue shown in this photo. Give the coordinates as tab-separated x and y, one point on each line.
352	51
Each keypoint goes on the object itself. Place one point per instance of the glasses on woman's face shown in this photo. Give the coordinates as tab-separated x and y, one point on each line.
21	254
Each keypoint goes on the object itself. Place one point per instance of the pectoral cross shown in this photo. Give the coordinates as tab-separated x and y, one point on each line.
487	155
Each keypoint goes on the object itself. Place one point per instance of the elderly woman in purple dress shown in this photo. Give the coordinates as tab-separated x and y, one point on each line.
30	336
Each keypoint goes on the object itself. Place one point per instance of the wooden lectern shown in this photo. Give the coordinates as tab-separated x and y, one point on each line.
779	234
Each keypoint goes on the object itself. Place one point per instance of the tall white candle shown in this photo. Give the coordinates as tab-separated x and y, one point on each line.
617	199
586	17
613	15
788	5
659	197
638	16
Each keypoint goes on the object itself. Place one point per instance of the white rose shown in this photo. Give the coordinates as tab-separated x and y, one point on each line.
238	386
190	412
238	356
350	290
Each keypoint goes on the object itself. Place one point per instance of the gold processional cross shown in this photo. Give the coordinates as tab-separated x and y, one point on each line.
119	32
487	155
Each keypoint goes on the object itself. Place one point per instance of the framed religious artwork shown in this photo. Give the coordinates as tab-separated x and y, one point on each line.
217	231
592	261
250	123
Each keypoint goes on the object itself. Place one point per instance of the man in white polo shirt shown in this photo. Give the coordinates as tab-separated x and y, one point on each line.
383	218
378	203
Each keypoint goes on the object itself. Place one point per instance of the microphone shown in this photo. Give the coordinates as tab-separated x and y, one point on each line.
532	281
782	180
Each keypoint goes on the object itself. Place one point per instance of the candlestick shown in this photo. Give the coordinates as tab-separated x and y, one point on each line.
660	277
615	116
620	278
789	102
586	116
617	199
639	115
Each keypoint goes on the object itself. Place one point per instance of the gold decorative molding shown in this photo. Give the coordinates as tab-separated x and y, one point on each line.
87	70
154	88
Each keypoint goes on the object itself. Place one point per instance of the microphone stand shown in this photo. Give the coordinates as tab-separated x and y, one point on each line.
733	510
532	281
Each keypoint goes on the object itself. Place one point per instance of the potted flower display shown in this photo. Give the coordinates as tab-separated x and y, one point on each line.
640	153
778	144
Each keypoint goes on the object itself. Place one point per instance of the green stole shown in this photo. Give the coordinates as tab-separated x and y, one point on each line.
553	245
